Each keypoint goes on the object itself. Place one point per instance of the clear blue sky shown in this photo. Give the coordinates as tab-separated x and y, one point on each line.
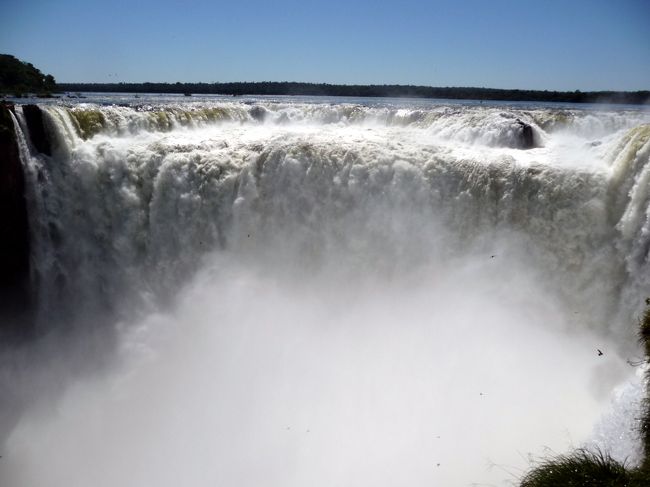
543	44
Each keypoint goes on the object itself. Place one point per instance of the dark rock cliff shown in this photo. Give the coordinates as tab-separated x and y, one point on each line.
15	295
36	128
527	135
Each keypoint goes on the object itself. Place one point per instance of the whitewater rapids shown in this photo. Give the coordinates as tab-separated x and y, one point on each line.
277	293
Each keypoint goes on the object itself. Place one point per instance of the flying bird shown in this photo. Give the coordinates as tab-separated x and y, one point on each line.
600	352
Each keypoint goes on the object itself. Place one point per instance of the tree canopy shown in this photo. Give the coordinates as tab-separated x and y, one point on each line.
18	77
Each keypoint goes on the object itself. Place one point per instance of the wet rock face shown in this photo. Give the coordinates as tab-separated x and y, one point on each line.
527	135
258	113
34	119
14	235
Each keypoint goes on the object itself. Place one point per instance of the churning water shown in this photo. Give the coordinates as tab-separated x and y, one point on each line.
277	293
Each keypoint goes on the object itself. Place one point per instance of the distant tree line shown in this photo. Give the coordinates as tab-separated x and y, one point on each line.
18	77
324	89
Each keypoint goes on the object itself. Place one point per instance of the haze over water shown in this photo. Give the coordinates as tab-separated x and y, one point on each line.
303	292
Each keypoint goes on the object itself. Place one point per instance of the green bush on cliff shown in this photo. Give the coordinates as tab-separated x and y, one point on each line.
584	468
17	77
644	338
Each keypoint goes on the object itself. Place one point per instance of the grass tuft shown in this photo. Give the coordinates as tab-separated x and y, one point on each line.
584	468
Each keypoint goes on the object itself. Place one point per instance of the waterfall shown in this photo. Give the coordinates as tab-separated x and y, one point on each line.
323	293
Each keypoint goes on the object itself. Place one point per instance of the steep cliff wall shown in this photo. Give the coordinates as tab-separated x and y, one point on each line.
14	237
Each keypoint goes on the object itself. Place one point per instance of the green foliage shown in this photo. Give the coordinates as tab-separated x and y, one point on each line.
317	89
644	338
644	329
585	469
18	77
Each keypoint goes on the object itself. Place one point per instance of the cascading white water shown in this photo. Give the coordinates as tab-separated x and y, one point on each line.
316	294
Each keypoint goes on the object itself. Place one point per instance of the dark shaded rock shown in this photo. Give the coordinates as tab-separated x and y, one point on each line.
527	135
15	294
37	134
258	113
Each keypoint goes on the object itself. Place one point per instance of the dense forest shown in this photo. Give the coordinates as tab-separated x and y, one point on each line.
315	89
18	77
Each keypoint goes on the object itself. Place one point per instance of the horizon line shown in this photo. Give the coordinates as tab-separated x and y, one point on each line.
350	85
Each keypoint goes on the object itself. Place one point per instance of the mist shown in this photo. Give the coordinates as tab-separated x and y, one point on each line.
258	379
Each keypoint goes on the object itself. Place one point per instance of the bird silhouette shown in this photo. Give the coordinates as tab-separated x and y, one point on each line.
599	352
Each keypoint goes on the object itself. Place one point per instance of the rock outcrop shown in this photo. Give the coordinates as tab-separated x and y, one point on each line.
36	128
15	295
527	135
